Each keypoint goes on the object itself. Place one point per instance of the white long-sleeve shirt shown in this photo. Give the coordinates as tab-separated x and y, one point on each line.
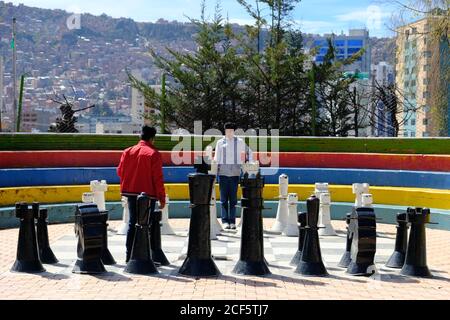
230	155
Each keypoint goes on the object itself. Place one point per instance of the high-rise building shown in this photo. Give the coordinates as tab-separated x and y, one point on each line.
346	46
422	64
382	74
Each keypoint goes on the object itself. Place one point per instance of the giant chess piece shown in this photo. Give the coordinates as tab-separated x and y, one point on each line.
283	208
397	260
107	258
141	261
123	229
347	257
291	229
45	252
363	226
252	261
325	226
98	188
166	228
158	255
301	238
199	262
216	227
90	226
311	263
416	254
27	259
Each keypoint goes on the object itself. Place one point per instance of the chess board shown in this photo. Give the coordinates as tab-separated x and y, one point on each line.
279	250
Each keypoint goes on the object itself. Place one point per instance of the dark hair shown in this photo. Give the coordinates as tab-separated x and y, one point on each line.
148	133
230	125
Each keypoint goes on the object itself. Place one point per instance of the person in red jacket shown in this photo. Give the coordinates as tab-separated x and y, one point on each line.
140	170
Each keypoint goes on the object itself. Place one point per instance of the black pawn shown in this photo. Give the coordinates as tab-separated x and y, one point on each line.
141	261
27	259
45	252
301	239
158	255
397	260
416	254
363	226
347	257
199	262
311	263
252	261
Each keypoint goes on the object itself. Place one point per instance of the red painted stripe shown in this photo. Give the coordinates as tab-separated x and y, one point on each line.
62	159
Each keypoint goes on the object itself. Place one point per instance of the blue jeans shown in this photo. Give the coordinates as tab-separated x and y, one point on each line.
228	197
132	208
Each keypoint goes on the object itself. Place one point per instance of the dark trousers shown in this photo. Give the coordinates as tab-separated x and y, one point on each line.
228	198
132	207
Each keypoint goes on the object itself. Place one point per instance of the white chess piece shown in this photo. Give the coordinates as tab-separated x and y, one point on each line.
215	226
123	229
366	200
166	229
291	229
98	188
326	228
87	197
358	190
283	209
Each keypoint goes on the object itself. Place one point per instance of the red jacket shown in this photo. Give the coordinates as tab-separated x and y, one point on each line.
140	170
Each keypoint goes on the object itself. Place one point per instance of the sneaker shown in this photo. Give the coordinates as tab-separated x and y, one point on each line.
226	226
233	226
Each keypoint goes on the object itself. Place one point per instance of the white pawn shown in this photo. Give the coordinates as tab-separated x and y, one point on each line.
326	229
291	229
123	229
358	190
166	229
99	188
283	209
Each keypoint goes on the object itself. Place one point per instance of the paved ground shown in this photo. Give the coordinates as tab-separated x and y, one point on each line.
59	283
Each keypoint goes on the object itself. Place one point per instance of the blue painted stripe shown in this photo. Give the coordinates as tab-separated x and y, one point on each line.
82	176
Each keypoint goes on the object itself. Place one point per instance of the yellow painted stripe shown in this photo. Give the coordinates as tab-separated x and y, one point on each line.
417	197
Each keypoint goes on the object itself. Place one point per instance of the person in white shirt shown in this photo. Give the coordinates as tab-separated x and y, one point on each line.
231	153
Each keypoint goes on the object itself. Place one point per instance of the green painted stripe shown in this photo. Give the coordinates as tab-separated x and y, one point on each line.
20	142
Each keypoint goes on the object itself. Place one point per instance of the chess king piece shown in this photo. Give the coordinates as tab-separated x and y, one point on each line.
397	259
90	227
141	261
416	254
252	261
27	259
199	262
311	263
363	226
283	208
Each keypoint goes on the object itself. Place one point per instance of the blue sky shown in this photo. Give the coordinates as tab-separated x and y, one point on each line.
315	16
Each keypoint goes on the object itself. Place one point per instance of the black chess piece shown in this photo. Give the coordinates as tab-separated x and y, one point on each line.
347	257
45	252
90	228
252	261
416	254
397	259
363	227
199	262
27	259
301	239
311	263
141	261
158	255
